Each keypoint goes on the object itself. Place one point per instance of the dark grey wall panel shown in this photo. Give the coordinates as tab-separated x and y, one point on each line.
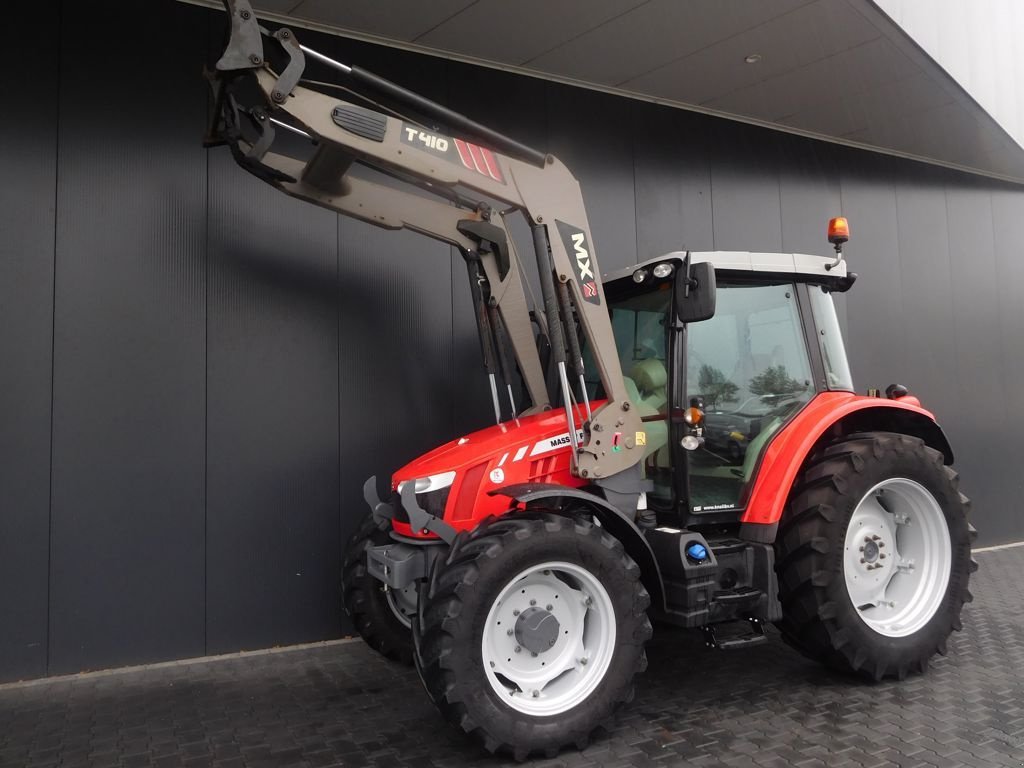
926	290
28	137
745	189
979	360
874	304
272	523
673	181
128	424
809	193
1005	455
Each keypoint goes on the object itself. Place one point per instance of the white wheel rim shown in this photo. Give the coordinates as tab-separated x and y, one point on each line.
551	681
897	557
402	603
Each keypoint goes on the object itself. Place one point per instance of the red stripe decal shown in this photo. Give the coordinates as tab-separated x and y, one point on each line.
464	155
492	165
478	159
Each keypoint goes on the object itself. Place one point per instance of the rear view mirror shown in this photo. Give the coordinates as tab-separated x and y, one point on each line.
695	297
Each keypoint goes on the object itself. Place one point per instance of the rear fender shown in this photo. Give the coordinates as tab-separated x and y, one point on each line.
610	518
829	416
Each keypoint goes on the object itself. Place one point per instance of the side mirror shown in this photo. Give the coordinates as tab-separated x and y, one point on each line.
695	298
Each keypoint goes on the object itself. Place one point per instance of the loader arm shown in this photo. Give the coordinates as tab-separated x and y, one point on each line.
449	185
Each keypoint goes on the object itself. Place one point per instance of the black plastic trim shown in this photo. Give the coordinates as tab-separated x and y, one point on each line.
360	121
759	533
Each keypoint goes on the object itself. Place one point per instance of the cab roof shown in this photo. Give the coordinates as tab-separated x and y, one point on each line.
746	261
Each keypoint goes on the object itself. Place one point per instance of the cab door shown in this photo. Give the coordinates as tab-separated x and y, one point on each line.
749	370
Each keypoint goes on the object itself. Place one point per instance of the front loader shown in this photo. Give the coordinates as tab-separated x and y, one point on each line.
680	441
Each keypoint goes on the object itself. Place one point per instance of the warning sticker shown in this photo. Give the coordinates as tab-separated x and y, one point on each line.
641	438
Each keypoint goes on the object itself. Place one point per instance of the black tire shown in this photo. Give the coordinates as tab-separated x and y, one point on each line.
819	617
449	630
365	598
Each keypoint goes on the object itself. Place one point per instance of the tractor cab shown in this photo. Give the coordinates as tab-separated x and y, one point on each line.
772	344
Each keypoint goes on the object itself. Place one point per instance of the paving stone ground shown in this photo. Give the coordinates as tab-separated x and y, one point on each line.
342	705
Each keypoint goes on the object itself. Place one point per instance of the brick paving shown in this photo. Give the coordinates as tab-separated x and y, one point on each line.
342	705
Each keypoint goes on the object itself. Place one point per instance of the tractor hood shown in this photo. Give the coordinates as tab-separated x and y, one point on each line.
501	444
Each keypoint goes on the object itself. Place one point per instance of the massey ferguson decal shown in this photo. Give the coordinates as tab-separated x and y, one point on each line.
554	443
458	151
575	242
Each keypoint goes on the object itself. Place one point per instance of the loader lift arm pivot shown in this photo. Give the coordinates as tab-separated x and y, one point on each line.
251	98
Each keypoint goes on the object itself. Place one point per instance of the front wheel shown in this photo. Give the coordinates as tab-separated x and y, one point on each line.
533	632
874	556
382	616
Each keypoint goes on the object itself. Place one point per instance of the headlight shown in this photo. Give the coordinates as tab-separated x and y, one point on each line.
431	482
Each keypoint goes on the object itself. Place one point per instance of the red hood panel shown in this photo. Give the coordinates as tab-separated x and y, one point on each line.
491	442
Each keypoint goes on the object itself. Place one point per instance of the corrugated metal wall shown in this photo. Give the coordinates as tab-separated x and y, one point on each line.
199	373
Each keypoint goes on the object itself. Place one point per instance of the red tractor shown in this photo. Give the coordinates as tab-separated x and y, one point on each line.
677	442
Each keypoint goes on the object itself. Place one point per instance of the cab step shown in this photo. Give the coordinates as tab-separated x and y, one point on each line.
733	635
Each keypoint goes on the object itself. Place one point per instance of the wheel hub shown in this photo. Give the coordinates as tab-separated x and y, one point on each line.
870	550
536	630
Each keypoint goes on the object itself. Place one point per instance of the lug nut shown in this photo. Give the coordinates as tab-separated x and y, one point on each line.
864	561
549	606
862	549
875	537
518	649
536	694
881	544
515	612
509	633
881	556
533	654
583	661
533	602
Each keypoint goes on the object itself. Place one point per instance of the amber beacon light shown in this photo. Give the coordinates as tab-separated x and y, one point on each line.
838	233
838	230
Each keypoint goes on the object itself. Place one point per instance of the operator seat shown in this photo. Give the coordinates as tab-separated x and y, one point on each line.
649	379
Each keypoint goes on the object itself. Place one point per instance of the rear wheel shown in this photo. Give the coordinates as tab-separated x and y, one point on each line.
382	616
533	632
874	556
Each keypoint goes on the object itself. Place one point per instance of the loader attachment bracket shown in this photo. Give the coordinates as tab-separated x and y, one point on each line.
245	47
490	238
292	73
421	520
